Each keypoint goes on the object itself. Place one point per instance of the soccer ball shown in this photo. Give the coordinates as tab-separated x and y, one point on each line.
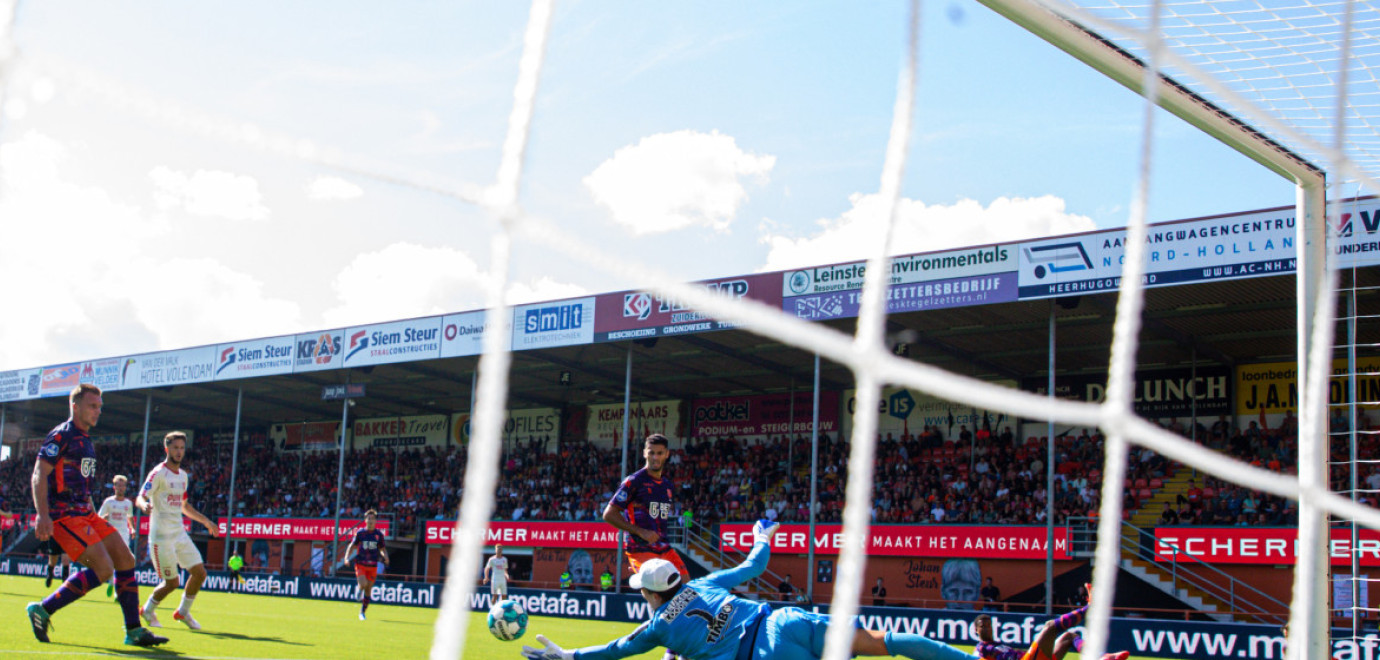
507	620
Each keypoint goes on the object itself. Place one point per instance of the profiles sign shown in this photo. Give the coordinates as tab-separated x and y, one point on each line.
641	314
529	424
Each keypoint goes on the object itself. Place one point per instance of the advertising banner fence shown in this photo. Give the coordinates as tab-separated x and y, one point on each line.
535	534
639	314
937	280
1159	393
539	424
400	341
556	323
1273	387
1258	545
297	529
907	412
972	541
259	357
305	436
400	432
319	350
764	414
644	419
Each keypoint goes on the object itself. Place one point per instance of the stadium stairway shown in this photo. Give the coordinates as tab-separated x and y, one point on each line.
1198	585
1136	558
703	557
1174	485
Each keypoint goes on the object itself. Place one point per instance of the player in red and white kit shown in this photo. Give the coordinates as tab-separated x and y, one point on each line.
164	497
371	551
643	505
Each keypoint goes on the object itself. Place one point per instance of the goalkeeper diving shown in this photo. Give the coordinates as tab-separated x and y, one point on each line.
702	620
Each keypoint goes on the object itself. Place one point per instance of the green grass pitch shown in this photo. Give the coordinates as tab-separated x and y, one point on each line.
237	626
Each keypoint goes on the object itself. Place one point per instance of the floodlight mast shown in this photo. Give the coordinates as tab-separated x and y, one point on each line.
1102	55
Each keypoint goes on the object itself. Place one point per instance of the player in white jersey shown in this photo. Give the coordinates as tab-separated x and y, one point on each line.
497	569
164	498
119	512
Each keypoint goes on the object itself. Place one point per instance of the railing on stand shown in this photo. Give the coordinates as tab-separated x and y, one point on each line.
1184	571
764	587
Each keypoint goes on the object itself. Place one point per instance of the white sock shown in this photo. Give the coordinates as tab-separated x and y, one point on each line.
186	606
152	604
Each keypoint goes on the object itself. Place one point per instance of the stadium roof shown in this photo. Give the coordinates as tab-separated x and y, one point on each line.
1250	318
1233	322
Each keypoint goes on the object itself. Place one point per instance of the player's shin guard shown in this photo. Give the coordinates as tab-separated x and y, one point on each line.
68	592
917	647
364	604
127	595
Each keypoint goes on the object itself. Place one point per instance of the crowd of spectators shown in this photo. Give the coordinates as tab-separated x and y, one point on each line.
981	477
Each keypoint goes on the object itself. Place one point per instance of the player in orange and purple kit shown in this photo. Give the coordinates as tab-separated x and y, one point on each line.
642	506
1052	641
63	481
370	552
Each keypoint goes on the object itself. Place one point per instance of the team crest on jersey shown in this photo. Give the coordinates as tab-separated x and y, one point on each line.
622	496
88	467
51	450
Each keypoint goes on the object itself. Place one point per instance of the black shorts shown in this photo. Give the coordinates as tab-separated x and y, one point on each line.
49	547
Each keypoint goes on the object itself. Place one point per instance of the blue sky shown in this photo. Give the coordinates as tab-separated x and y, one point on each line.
154	196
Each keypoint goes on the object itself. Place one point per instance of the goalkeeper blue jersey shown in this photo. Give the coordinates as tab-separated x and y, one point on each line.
702	621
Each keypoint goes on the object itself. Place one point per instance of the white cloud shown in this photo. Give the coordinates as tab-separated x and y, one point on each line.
405	280
332	188
921	228
670	181
87	281
208	193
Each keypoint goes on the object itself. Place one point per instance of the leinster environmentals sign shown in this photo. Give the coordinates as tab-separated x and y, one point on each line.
917	282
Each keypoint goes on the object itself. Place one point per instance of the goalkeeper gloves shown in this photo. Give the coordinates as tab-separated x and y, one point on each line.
549	651
763	531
